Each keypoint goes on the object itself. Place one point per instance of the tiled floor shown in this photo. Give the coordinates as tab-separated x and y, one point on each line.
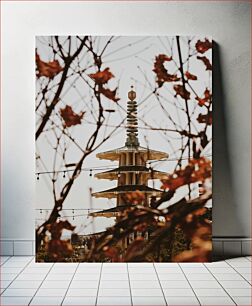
24	282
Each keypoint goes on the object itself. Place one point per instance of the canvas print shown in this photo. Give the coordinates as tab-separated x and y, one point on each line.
123	148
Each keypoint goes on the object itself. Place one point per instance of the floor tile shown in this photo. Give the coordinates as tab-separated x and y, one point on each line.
220	300
114	292
200	276
235	284
89	284
79	301
87	277
8	276
237	259
47	300
5	283
25	284
59	277
51	292
175	284
4	259
218	270
239	291
140	264
115	269
62	270
169	270
216	264
243	300
10	270
15	300
103	300
195	270
114	284
66	265
178	292
19	292
146	292
204	284
210	292
228	276
144	284
248	277
33	264
172	276
14	264
243	264
140	270
114	265
30	276
189	300
142	300
191	264
111	276
165	264
87	271
97	264
42	271
22	258
82	292
55	284
242	270
138	276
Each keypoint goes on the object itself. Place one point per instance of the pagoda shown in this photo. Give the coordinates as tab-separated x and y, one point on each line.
132	173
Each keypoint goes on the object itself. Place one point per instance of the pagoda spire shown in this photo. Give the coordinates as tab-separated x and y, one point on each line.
132	122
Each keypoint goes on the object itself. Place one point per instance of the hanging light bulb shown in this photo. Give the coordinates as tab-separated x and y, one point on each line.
64	174
90	172
37	176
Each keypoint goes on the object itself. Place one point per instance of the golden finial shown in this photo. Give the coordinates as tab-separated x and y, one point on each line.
132	94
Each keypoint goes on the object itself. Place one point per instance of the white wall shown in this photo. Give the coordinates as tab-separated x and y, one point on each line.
229	25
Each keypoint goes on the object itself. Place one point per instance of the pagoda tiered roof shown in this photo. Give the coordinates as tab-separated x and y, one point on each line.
110	212
149	153
113	192
113	174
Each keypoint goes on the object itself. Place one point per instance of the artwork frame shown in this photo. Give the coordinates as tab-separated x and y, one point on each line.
188	171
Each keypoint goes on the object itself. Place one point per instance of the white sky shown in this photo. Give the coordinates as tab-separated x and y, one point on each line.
131	65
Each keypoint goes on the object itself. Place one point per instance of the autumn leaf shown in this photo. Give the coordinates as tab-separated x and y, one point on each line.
190	76
208	118
70	117
207	97
161	71
49	69
135	247
182	92
206	61
197	170
203	46
135	197
56	228
110	94
102	77
59	249
112	253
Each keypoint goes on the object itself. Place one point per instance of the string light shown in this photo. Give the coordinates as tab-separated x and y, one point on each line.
111	168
